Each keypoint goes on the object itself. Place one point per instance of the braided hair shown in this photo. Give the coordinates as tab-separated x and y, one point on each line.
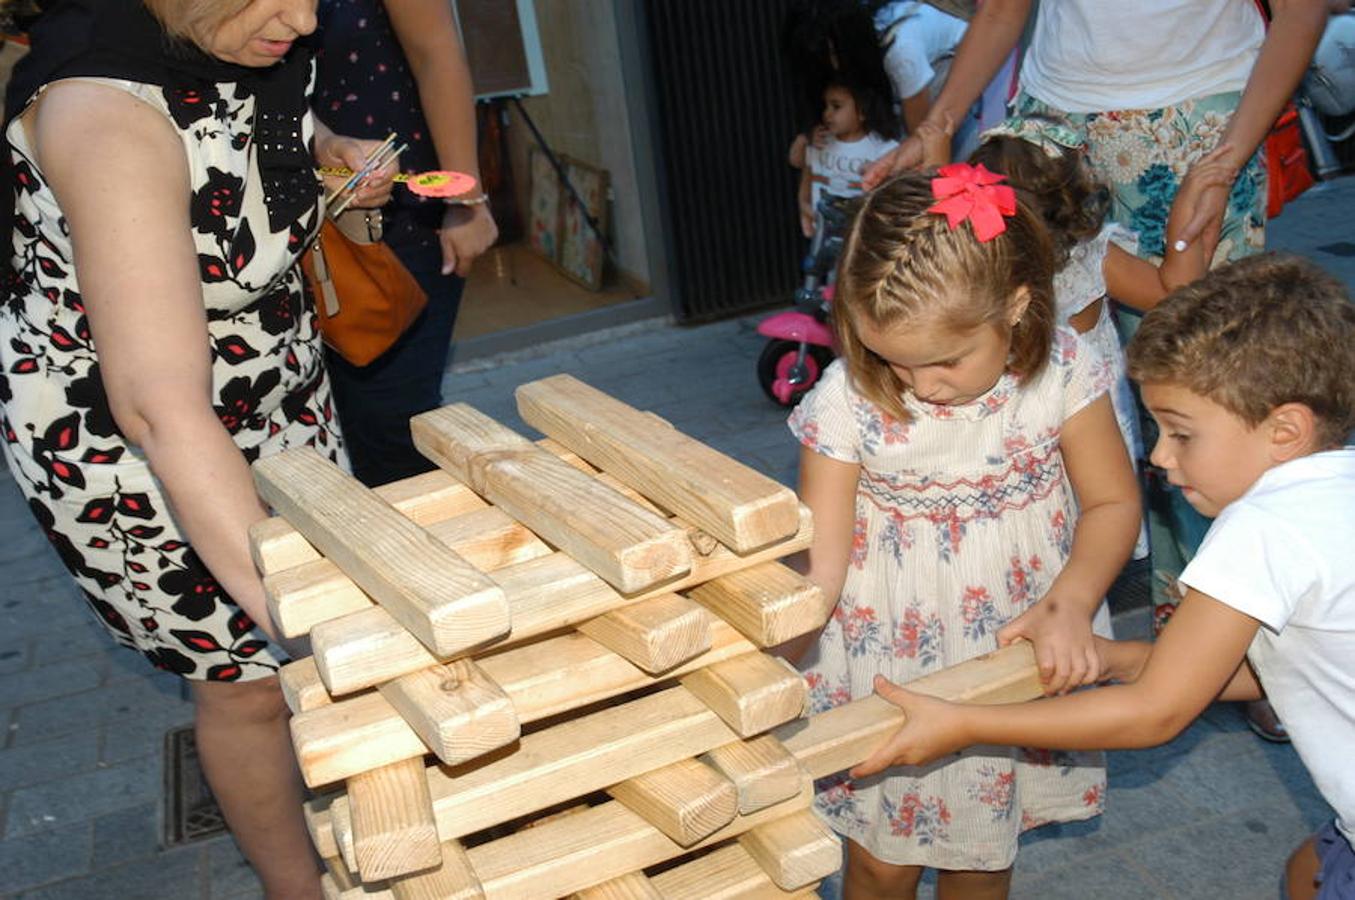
902	265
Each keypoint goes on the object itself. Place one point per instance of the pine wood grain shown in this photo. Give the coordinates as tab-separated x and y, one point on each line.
445	602
628	546
392	816
769	602
751	693
728	873
573	758
360	732
452	879
742	508
686	800
364	648
457	710
794	851
762	771
656	634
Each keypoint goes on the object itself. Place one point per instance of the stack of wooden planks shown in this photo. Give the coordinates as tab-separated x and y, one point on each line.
538	622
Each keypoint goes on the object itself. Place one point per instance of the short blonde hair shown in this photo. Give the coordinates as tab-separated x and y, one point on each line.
1256	334
194	20
901	263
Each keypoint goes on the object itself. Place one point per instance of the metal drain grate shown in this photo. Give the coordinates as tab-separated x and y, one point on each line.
191	813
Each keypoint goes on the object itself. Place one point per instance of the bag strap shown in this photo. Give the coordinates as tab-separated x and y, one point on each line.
324	284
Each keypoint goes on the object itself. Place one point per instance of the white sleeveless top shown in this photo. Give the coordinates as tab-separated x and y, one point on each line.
1095	55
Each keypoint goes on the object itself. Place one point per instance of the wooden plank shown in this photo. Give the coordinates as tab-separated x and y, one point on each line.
320	826
364	731
573	758
739	506
369	647
609	840
728	873
364	648
431	497
301	685
359	733
628	546
794	851
315	590
842	737
655	635
634	886
445	602
337	883
592	847
751	693
686	800
393	828
770	602
457	710
341	820
762	771
453	879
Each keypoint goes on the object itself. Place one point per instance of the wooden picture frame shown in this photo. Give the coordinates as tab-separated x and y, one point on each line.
544	214
581	255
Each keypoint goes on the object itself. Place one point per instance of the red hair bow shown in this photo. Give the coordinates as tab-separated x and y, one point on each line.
964	192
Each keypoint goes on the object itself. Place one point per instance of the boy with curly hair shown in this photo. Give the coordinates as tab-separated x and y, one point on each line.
1250	373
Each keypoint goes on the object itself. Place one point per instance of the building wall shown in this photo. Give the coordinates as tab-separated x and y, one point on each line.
584	115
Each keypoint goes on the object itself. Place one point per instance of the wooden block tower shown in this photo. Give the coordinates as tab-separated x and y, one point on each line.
541	671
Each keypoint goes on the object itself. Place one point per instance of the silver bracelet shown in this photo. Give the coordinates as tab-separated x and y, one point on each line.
473	201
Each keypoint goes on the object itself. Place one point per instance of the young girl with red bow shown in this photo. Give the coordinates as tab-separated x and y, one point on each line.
969	488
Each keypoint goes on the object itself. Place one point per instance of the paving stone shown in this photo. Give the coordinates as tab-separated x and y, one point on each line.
14	656
173	874
1240	856
32	764
83	796
89	639
47	606
127	834
1104	877
44	857
132	699
45	682
1232	773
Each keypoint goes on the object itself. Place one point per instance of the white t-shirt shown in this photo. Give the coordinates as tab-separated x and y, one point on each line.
1285	554
836	167
922	36
1095	55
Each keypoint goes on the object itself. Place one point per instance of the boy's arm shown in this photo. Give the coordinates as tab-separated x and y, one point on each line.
1196	657
1124	661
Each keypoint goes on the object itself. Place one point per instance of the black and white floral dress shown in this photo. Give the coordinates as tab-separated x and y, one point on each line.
92	491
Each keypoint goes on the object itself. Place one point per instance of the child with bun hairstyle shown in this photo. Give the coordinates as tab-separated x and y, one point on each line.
1095	258
969	488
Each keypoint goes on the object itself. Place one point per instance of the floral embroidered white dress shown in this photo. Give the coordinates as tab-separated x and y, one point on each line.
964	516
1080	283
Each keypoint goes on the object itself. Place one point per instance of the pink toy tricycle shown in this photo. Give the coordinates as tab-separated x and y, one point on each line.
801	344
